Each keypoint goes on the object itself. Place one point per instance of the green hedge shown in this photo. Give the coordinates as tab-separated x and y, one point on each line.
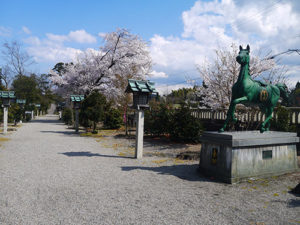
179	123
113	119
67	116
282	123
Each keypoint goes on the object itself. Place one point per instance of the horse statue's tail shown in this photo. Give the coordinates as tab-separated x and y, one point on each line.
284	93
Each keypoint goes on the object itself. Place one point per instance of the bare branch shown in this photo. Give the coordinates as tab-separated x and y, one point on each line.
17	59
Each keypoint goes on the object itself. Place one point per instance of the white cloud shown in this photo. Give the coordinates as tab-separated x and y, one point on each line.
33	41
156	74
58	38
81	36
175	53
50	50
209	25
53	48
4	31
101	34
26	30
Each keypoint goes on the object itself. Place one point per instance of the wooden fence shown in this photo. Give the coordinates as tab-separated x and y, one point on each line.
256	116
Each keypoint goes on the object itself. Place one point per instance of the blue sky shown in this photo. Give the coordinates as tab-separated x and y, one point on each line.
141	17
181	33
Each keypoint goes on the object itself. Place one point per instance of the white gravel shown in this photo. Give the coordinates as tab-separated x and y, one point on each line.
49	175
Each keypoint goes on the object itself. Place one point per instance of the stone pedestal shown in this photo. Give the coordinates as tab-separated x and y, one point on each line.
236	156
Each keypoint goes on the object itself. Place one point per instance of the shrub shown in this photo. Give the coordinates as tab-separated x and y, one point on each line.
93	110
113	119
282	121
67	116
158	119
27	117
179	124
14	113
184	127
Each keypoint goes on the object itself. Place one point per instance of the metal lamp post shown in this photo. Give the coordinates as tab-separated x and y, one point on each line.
142	93
76	100
7	97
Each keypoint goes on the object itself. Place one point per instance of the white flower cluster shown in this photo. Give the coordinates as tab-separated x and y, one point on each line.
123	56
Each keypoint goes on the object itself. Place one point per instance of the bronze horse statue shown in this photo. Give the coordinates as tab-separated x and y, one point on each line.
250	92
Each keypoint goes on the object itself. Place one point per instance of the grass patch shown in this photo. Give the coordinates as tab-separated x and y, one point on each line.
179	161
122	154
107	132
4	139
89	134
159	161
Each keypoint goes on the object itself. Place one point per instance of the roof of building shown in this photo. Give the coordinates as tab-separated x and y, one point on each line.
21	101
7	94
77	98
140	86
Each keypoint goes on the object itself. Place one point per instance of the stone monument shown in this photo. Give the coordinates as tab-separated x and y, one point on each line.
236	156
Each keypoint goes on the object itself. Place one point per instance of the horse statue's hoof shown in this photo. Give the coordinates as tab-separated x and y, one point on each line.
221	130
262	130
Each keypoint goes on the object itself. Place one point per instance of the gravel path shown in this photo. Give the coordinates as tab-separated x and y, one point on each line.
49	175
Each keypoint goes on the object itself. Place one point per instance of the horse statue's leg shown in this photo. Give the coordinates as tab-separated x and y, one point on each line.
265	126
230	114
231	110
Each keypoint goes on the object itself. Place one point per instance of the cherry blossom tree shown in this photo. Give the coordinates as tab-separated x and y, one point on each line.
220	75
123	55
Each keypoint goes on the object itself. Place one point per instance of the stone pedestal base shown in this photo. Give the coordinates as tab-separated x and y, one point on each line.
236	156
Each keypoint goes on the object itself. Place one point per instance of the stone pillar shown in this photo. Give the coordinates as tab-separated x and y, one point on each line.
59	113
37	113
76	120
32	115
5	115
139	135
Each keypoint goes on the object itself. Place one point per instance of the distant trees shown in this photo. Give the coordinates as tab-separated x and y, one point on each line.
184	95
33	88
219	76
26	87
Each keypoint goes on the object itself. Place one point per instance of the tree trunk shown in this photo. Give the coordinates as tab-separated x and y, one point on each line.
94	127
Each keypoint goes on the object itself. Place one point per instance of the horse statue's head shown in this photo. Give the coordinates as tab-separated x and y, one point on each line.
243	57
284	91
